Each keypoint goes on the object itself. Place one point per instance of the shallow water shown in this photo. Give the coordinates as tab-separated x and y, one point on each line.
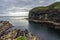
38	29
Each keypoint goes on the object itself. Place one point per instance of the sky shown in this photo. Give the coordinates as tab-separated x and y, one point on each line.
21	7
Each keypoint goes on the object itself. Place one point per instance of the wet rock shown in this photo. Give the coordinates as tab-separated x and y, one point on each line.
4	25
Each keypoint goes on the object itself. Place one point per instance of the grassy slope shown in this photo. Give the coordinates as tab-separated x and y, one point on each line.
54	5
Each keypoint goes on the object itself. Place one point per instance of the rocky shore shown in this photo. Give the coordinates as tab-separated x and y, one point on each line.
15	34
51	24
4	25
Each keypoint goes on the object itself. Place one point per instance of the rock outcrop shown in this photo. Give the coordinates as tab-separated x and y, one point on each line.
19	35
4	25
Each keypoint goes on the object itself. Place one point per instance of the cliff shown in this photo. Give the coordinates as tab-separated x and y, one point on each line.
49	13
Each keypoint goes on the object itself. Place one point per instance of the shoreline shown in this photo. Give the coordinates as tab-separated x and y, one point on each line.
52	24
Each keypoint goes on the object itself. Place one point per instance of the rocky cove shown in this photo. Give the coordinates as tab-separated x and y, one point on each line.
40	23
46	14
37	29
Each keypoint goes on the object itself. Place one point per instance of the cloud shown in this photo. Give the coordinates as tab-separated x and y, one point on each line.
41	1
57	0
7	6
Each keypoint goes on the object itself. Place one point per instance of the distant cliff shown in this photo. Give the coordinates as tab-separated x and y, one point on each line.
46	14
51	12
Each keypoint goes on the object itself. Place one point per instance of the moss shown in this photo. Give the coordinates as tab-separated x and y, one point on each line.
21	38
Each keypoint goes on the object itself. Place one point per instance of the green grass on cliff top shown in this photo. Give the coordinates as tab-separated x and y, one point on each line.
55	5
40	8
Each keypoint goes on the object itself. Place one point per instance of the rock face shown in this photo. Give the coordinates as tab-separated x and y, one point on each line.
47	13
51	12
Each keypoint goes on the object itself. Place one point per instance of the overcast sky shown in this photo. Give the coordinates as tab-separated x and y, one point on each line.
17	7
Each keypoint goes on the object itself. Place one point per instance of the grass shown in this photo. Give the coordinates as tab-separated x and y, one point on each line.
40	8
21	38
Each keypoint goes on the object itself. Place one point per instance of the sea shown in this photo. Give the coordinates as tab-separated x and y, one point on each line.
38	29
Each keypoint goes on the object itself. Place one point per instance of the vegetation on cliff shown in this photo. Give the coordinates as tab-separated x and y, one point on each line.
40	8
55	5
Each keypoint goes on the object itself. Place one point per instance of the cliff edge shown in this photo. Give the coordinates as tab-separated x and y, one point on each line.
47	14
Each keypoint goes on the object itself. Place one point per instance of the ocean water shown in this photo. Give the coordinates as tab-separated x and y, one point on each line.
38	29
